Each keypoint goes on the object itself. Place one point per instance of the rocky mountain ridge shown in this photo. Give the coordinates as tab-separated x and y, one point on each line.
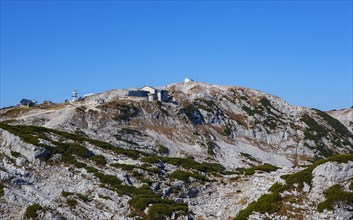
212	148
345	116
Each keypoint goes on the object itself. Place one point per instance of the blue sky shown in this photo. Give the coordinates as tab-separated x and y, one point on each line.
300	51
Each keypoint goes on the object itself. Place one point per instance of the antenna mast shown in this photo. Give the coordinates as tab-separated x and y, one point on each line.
74	95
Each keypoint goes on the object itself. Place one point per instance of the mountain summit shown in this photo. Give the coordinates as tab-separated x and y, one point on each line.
187	150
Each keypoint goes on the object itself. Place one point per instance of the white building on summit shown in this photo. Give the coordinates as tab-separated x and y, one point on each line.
187	80
149	93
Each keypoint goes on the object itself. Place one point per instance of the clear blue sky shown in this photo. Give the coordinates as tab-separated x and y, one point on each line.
298	50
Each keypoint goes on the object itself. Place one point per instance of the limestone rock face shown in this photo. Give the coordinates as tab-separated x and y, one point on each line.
10	142
327	175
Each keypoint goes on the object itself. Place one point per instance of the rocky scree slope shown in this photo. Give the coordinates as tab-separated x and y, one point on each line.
52	174
209	148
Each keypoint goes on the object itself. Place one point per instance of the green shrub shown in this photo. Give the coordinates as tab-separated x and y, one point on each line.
277	187
180	175
71	136
11	160
143	197
206	105
211	147
269	107
129	167
187	163
66	194
163	211
333	195
301	177
268	203
241	97
142	179
229	172
151	159
151	169
265	168
126	112
31	211
15	154
99	159
91	169
193	114
140	202
134	154
105	197
341	158
119	138
265	102
108	179
209	103
351	186
71	202
271	123
130	131
184	176
2	186
72	149
227	131
249	157
252	111
163	150
125	189
68	152
82	197
79	164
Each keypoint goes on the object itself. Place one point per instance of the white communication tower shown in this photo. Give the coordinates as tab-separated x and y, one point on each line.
74	95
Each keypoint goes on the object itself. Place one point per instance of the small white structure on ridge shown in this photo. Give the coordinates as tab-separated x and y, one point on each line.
186	80
89	94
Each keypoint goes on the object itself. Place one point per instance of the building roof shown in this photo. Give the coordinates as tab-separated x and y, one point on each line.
26	102
138	93
149	87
